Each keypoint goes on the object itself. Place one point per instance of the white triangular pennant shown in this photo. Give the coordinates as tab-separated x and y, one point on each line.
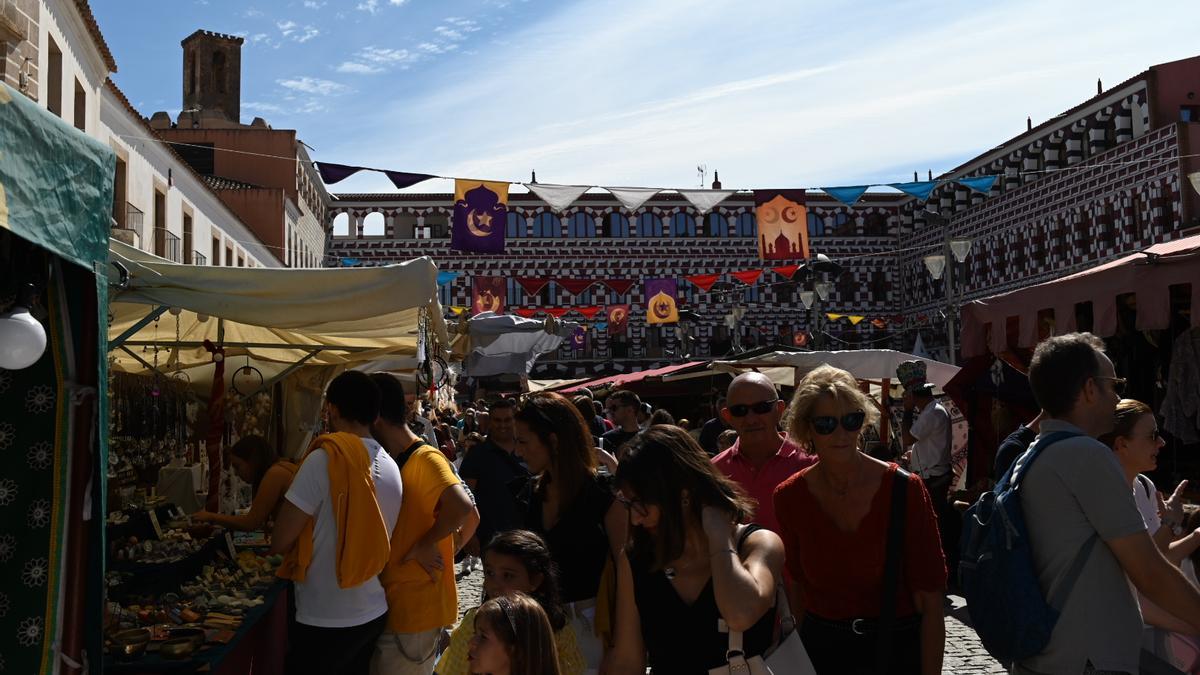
559	197
633	198
705	200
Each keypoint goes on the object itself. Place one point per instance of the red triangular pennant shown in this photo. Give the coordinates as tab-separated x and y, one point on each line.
879	323
704	281
619	286
747	277
527	313
787	271
532	285
556	312
588	312
575	286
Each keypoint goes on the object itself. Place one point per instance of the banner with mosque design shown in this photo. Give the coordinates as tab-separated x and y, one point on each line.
782	224
480	216
488	294
662	298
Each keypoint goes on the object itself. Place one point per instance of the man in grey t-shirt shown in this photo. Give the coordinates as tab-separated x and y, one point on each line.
1076	490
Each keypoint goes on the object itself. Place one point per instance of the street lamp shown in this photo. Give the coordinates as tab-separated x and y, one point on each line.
816	272
954	249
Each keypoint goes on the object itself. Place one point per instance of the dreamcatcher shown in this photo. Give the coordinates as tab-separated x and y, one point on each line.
433	371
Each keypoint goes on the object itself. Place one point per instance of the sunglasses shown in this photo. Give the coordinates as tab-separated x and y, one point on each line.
827	424
760	408
1118	383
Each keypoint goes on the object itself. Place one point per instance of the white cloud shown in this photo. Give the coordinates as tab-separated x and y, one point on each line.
313	4
386	55
251	13
307	34
358	68
296	32
313	85
372	6
286	27
261	107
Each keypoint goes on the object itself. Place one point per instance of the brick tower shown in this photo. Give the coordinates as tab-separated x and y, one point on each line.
212	75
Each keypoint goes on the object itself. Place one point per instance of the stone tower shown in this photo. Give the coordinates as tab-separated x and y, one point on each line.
212	75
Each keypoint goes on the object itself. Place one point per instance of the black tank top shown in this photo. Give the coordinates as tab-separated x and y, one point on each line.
684	639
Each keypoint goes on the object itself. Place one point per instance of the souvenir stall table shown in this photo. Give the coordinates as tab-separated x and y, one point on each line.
202	357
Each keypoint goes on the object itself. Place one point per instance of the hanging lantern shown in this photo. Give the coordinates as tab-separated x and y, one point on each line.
22	337
936	264
961	248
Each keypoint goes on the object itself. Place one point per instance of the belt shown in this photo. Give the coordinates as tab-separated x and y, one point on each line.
862	626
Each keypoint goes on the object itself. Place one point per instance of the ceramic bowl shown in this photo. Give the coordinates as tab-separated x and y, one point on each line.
132	642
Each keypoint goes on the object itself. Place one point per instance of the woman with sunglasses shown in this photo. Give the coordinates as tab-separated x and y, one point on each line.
571	505
834	519
689	564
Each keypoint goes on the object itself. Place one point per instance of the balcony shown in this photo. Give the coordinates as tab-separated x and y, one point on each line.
130	231
199	258
167	245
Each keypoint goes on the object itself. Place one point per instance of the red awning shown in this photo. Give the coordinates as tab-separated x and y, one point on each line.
1148	274
626	378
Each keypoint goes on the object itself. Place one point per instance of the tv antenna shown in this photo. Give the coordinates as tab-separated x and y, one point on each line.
702	170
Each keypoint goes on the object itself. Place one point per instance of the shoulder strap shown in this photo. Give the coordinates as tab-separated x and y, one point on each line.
891	569
1059	599
403	458
1021	466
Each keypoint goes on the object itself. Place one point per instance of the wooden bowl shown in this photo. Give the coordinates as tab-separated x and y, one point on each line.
131	642
177	648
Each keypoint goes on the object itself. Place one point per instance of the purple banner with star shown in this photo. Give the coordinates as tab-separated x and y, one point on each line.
480	216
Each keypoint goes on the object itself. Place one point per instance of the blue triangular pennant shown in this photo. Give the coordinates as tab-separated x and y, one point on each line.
981	184
919	189
349	262
846	195
601	325
444	278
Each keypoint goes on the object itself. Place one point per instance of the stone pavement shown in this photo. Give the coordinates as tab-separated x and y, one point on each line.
965	654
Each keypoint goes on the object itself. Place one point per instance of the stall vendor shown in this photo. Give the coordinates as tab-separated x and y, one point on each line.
255	461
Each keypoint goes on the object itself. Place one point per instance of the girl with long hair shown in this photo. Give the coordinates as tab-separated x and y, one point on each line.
689	565
513	637
256	462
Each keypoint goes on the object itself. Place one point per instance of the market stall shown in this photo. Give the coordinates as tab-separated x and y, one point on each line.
202	357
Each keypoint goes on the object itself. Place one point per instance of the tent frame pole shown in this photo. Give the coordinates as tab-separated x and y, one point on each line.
142	361
142	323
251	345
284	373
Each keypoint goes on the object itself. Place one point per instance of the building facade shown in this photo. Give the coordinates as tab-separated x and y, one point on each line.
1104	179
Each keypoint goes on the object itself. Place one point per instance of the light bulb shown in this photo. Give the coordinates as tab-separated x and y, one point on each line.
22	337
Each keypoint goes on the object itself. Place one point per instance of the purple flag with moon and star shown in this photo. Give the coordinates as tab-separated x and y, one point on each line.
480	216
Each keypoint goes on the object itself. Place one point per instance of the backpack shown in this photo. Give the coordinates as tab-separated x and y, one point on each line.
1009	611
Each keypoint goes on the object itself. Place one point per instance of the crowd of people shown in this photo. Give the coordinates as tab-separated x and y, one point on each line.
616	539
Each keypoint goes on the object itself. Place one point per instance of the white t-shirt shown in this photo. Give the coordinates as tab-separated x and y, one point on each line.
319	600
931	453
1144	495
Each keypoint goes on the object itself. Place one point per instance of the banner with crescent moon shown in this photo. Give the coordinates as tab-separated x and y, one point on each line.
782	224
662	297
488	294
480	216
618	319
579	339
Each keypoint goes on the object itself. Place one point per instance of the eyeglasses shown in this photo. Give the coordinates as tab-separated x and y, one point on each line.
633	505
827	424
760	408
1118	385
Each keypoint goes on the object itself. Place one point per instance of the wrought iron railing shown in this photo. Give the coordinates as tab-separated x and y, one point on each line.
199	258
133	219
170	248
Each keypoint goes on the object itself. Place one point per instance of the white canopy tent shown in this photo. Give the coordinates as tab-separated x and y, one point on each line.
499	344
863	364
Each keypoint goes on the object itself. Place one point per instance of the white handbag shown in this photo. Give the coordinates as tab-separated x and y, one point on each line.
787	657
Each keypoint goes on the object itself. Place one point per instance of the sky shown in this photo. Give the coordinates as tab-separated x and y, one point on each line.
770	93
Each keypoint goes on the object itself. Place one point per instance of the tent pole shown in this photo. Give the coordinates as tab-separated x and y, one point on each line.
284	373
142	361
149	318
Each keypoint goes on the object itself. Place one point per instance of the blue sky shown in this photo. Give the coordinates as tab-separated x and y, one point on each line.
770	93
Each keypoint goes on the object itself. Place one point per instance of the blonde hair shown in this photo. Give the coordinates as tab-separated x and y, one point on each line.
824	381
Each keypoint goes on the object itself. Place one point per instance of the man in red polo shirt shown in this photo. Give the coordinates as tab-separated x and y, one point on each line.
762	457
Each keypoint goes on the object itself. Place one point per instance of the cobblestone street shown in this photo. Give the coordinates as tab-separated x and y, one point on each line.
964	652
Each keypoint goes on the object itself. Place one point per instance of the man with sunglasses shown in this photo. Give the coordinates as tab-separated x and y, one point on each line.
761	458
622	408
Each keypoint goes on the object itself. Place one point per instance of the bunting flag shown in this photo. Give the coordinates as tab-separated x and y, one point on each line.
579	339
846	195
488	294
601	325
349	262
525	312
918	189
619	286
787	271
747	277
855	319
575	286
532	285
458	309
480	215
661	301
403	179
879	323
618	319
444	277
589	311
335	173
556	312
800	339
633	198
833	317
704	281
782	224
982	184
705	200
558	197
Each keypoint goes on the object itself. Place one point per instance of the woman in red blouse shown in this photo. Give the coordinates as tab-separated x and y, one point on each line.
834	518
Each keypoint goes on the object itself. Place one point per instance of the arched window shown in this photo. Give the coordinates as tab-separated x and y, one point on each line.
515	227
746	225
816	226
374	225
218	68
341	225
618	225
718	226
649	225
683	225
547	225
582	225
